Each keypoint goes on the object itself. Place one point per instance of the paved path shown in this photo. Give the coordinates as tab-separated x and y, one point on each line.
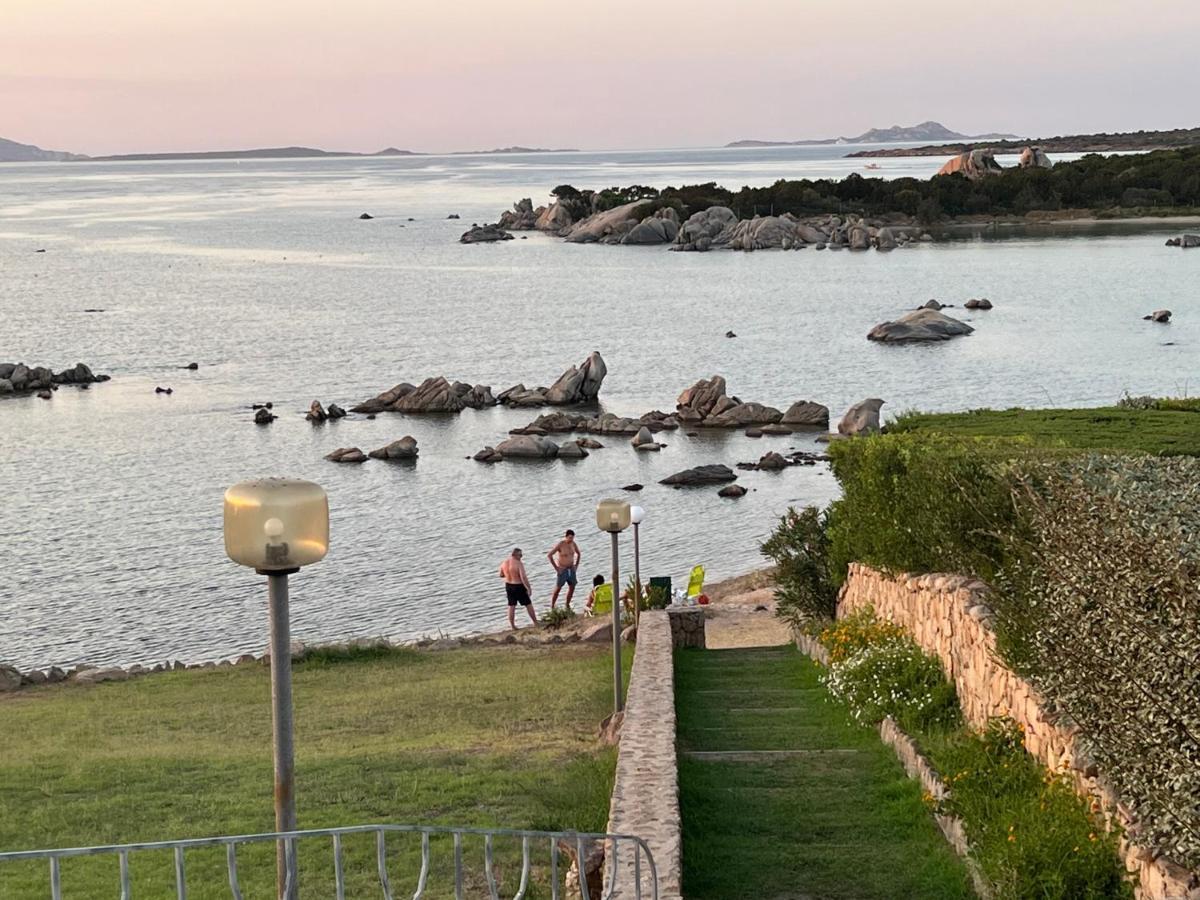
783	799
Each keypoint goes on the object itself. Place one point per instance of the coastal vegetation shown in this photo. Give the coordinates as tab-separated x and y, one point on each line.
1101	142
1084	524
490	737
1030	835
1165	182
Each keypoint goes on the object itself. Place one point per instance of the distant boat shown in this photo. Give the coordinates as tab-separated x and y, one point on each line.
872	166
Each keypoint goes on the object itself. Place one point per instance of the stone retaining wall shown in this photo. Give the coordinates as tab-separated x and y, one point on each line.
645	797
687	626
949	617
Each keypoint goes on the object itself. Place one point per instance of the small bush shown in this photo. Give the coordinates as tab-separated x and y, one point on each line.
1031	835
895	678
800	548
855	633
554	619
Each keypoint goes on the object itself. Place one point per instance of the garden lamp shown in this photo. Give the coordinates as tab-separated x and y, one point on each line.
275	526
636	514
614	517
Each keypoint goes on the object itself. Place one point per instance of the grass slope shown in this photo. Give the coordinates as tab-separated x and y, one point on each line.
486	737
1165	432
839	820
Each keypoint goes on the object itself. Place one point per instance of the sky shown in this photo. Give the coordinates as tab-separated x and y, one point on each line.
124	76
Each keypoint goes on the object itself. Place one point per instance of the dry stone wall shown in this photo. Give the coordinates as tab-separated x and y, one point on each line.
949	617
645	797
687	626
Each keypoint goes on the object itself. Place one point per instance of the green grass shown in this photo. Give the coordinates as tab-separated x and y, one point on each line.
838	821
1165	432
500	737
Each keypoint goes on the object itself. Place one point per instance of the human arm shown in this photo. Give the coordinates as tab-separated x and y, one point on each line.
553	556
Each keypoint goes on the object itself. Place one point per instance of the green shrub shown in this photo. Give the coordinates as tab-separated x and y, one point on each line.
800	548
895	678
554	619
1031	835
854	633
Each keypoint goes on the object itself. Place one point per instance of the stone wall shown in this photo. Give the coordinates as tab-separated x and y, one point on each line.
645	797
949	617
687	626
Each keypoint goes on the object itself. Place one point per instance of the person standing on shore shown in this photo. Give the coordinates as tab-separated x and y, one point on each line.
565	558
516	586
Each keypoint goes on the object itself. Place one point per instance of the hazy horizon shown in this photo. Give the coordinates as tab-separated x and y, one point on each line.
136	76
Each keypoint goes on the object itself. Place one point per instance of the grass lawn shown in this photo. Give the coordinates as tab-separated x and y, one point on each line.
1167	432
500	737
833	816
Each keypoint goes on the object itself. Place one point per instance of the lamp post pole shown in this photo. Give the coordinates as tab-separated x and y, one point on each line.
618	701
637	578
281	719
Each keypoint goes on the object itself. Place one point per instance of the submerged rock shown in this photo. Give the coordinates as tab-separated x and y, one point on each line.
981	303
921	325
527	446
347	455
733	491
484	234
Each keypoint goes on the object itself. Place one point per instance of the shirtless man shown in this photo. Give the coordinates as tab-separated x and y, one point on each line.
516	585
565	558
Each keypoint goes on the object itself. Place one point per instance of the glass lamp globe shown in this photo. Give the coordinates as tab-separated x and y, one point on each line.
276	524
612	515
636	515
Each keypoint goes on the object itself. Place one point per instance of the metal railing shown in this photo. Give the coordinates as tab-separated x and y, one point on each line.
645	875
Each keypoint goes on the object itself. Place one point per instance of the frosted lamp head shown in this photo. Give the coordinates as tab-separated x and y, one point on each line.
636	515
276	524
612	515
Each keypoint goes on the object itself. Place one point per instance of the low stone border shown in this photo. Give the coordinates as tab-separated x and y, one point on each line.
919	768
645	797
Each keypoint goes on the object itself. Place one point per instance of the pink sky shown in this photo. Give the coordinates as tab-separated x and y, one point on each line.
144	75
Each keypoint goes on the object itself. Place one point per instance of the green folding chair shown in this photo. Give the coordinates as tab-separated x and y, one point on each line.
603	601
663	582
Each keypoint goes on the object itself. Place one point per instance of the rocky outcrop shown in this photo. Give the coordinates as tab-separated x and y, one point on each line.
1034	158
978	303
527	446
701	475
660	228
572	450
484	234
704	229
732	491
719	228
579	384
1186	240
974	164
806	413
522	217
742	414
861	418
644	440
18	378
404	449
347	455
706	403
433	395
920	325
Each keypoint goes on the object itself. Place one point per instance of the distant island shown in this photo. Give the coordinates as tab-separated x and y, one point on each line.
925	131
1074	143
11	151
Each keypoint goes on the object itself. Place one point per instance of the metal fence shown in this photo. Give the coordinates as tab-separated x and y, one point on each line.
645	875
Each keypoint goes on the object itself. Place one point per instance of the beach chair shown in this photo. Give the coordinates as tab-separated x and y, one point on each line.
695	583
602	605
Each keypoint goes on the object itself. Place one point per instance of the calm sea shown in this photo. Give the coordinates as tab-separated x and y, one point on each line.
261	272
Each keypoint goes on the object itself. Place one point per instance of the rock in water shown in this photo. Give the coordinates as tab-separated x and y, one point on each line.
644	440
366	216
806	413
579	384
921	325
701	475
772	462
632	487
732	490
528	446
336	412
316	413
981	303
1159	315
263	416
403	449
347	455
861	418
483	234
572	450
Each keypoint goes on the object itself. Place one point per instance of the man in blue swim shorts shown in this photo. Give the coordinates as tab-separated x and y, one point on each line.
565	558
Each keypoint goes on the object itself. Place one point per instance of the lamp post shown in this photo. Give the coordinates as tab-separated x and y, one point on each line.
275	526
613	516
636	514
